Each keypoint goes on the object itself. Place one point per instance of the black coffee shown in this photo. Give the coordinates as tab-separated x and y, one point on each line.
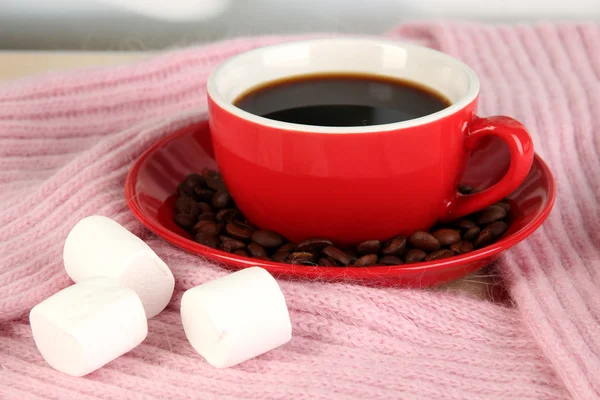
342	100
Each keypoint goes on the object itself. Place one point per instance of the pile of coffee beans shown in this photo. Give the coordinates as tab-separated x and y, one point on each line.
207	212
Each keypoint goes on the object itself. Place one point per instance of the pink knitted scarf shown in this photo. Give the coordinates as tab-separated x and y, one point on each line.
67	141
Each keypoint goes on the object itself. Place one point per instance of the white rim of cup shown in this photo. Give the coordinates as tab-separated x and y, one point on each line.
470	96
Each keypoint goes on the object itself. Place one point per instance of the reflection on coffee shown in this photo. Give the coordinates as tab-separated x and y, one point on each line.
342	100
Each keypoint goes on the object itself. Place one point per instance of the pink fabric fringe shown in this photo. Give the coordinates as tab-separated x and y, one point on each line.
67	141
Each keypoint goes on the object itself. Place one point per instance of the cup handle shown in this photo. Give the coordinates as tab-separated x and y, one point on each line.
519	142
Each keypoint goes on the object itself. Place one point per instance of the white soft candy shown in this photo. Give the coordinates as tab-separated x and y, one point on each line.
235	318
99	246
87	325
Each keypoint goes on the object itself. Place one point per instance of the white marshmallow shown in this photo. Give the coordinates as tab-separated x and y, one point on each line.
85	326
235	318
99	246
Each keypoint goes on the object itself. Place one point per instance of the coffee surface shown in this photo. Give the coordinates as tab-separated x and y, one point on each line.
342	100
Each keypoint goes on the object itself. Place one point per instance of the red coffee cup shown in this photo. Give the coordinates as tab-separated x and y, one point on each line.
351	184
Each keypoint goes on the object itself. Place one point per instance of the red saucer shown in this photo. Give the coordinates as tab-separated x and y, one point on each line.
153	178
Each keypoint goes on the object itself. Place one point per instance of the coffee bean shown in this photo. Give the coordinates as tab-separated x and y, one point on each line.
237	231
368	247
504	205
462	247
324	262
483	239
232	245
465	189
207	239
194	180
351	254
228	214
332	261
414	255
221	199
366	260
394	247
245	225
185	190
390	260
187	205
337	254
491	214
216	183
313	244
204	207
207	216
424	241
491	233
199	226
250	225
207	172
280	256
497	228
185	221
439	254
301	257
256	250
471	234
267	238
208	227
447	236
204	194
289	247
464	224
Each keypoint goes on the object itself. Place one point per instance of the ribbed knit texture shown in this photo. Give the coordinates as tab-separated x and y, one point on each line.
67	141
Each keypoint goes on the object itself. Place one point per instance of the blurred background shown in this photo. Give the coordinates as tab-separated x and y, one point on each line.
135	25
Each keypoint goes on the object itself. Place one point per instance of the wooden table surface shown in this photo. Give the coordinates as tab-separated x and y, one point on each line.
484	284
